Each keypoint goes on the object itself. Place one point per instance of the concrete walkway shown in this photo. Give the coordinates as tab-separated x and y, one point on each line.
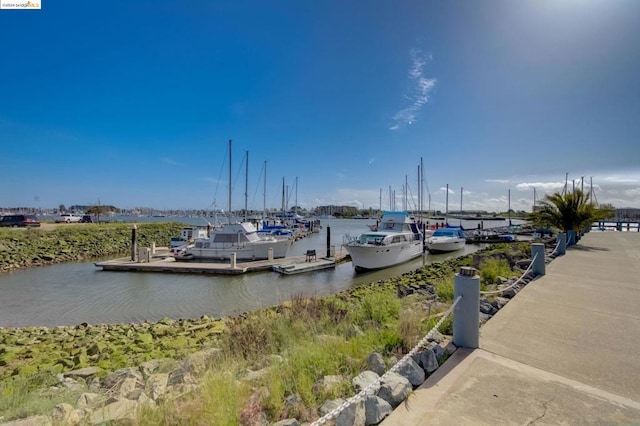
564	351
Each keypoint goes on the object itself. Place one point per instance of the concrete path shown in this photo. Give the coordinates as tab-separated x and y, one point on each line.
564	351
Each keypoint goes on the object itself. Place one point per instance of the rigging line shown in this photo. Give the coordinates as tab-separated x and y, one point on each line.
224	161
240	168
257	186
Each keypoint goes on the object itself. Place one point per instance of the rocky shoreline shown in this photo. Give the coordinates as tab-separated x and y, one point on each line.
25	248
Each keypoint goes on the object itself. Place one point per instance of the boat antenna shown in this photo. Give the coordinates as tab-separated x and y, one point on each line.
461	190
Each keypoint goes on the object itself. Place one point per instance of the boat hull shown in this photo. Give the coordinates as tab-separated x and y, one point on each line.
371	257
251	251
445	246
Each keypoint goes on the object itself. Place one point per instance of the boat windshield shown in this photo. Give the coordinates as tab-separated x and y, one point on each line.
371	239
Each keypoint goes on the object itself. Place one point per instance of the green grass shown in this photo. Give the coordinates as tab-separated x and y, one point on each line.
491	269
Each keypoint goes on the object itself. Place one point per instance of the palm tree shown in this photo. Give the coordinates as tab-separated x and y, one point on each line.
568	212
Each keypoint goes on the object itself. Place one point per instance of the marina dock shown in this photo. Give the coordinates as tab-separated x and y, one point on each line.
163	261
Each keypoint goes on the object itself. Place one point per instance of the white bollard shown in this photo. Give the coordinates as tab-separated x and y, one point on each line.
466	316
270	255
537	254
153	247
233	260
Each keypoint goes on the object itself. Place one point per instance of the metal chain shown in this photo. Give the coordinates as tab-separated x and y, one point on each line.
336	411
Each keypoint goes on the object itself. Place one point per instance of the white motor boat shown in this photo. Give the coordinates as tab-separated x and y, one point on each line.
446	240
239	238
397	239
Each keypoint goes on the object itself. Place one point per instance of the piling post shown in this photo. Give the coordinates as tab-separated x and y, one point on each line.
466	318
134	248
233	259
571	237
270	255
562	243
328	241
537	254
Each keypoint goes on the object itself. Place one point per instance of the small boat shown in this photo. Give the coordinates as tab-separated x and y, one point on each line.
396	240
445	240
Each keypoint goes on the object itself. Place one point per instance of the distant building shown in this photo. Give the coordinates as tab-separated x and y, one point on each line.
336	210
628	213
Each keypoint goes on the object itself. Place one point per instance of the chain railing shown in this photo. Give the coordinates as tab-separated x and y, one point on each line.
336	411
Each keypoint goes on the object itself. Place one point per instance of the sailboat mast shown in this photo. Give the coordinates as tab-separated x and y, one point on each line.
264	193
461	190
283	197
446	206
246	186
509	206
229	205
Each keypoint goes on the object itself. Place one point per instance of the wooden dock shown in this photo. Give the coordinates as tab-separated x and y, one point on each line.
165	262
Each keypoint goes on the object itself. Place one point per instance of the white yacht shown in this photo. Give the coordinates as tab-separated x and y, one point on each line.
397	239
446	240
239	238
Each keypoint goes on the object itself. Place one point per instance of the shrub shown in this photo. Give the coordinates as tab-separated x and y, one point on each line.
492	268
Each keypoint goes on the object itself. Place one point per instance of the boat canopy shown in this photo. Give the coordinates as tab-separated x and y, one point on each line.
449	232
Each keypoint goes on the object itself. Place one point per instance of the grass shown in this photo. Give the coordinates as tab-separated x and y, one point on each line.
491	269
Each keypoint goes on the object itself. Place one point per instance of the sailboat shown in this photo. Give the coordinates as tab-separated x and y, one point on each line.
241	238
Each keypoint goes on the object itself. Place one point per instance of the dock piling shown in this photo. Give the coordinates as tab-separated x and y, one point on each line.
134	228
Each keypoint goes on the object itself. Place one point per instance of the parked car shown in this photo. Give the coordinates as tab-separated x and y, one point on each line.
69	218
86	219
17	220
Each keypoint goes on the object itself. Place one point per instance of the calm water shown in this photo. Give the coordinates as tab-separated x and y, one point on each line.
73	293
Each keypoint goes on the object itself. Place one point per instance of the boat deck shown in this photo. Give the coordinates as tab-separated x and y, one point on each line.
163	261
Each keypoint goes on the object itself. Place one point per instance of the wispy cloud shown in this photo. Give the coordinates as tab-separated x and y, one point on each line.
418	95
543	186
497	180
171	162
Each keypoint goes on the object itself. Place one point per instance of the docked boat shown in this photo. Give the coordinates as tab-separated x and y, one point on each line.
239	238
446	240
396	240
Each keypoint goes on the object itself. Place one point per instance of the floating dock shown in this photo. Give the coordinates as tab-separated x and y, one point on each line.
165	262
304	266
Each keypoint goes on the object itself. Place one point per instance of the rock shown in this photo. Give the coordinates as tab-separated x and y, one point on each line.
180	376
429	361
119	412
330	405
376	409
156	386
487	308
65	414
364	379
395	388
440	352
30	421
287	422
127	386
118	376
353	415
88	399
412	372
198	362
375	363
83	372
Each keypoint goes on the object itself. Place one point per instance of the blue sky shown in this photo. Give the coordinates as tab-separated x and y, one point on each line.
133	103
